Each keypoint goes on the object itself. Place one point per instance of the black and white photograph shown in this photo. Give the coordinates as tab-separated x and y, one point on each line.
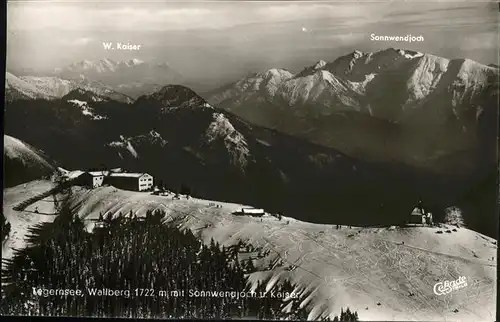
264	160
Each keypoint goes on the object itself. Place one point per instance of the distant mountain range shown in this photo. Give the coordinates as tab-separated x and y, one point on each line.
392	105
133	77
51	87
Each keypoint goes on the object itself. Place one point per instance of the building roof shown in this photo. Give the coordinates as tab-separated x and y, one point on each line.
416	212
74	174
127	175
97	173
252	210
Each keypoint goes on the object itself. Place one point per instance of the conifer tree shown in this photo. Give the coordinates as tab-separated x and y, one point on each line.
5	227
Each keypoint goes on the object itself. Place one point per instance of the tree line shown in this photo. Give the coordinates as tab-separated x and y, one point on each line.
5	227
129	253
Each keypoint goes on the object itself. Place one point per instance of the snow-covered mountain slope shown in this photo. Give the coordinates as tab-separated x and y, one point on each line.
319	88
17	88
314	86
86	109
132	77
360	79
360	92
21	220
50	87
354	267
356	65
24	163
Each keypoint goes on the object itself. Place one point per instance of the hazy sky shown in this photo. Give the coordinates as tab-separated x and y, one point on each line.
229	38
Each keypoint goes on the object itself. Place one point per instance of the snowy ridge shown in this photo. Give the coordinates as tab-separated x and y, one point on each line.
434	75
360	87
16	87
321	87
426	77
234	141
50	87
314	85
86	110
410	55
129	143
375	266
126	144
265	84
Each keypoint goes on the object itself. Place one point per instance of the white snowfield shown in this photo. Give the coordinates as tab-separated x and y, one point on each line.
20	221
86	109
368	270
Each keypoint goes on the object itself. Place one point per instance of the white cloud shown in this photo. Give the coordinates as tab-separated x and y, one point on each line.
167	16
74	16
28	16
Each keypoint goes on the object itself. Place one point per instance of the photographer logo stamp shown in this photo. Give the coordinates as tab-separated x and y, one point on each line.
446	287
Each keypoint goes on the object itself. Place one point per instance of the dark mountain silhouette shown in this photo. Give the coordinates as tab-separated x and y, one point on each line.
183	141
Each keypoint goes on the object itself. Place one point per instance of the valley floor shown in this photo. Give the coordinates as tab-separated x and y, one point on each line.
382	273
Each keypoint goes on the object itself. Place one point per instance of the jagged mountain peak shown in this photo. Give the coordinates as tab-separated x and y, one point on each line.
272	73
320	64
135	61
357	53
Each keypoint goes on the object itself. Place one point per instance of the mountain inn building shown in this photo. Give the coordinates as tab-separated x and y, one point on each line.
130	181
250	211
92	179
417	217
120	180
